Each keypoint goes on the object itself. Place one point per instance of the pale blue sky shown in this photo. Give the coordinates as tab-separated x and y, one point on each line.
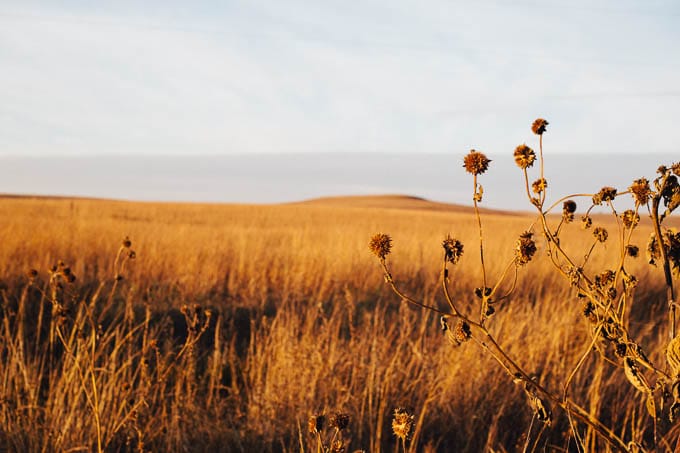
170	77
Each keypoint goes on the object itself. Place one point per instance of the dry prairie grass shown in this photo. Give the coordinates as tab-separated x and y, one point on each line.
300	323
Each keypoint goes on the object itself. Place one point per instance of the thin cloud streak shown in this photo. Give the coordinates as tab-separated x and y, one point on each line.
263	77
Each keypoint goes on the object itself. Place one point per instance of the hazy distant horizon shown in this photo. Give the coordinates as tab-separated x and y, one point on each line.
290	177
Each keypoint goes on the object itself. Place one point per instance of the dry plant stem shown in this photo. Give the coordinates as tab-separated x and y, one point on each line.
390	281
585	355
568	406
91	399
540	150
445	286
481	250
514	370
670	290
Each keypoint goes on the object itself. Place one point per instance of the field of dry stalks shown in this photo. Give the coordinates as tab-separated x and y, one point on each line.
226	327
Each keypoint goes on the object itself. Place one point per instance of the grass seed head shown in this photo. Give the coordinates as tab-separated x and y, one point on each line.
524	156
539	125
380	245
476	163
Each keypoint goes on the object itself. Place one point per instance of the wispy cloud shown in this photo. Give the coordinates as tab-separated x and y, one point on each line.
402	76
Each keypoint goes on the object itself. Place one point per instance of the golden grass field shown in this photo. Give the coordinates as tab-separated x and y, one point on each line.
236	323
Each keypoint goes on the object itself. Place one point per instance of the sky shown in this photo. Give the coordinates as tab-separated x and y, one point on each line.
83	78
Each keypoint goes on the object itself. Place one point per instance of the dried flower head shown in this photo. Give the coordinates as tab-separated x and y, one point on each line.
337	446
589	312
605	278
32	274
339	421
380	245
526	248
539	185
600	234
605	194
538	126
524	156
640	190
127	243
676	169
586	222
316	423
462	332
568	210
402	423
476	163
453	249
632	250
621	349
671	242
630	218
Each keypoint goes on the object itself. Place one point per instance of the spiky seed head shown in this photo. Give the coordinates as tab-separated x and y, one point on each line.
600	234
630	218
524	156
606	278
380	245
539	125
462	332
402	423
589	312
525	249
676	169
316	423
632	250
568	210
640	190
586	222
673	356
453	249
621	349
476	162
611	293
339	421
605	194
539	185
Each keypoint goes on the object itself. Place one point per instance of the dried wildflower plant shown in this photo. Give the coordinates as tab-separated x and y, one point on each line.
329	431
606	297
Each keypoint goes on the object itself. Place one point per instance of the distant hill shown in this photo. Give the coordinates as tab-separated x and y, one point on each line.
390	201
